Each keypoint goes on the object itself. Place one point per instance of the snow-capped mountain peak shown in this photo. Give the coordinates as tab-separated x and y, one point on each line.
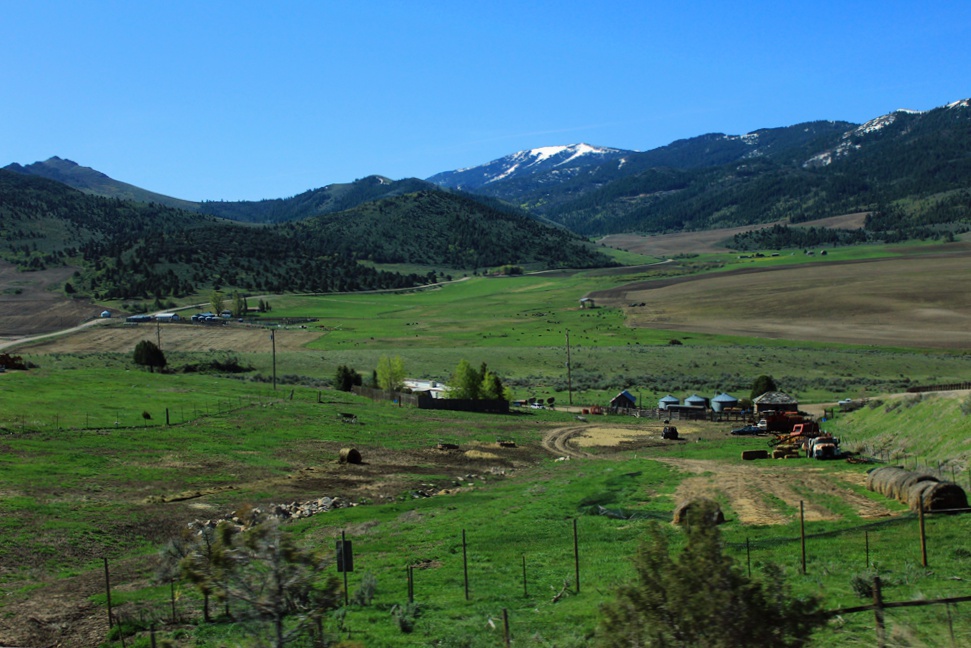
561	161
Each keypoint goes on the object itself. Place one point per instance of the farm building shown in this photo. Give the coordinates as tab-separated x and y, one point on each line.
586	302
168	317
723	402
623	401
667	401
696	401
776	402
432	388
105	314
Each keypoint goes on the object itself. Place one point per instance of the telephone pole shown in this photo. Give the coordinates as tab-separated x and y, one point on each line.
569	377
273	340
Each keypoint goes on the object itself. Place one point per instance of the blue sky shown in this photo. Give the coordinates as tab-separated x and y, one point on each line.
249	100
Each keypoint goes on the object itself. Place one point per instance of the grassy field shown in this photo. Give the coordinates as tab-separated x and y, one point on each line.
91	470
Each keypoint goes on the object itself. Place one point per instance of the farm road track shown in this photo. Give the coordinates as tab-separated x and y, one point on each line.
558	442
759	493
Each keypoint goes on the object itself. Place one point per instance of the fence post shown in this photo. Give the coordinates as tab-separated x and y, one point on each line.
923	535
108	593
878	613
525	591
866	538
576	553
748	556
505	626
465	565
802	533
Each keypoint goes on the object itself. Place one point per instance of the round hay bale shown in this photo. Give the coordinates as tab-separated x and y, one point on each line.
905	485
937	496
350	456
711	510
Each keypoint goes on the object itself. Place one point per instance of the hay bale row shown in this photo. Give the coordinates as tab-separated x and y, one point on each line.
909	487
937	496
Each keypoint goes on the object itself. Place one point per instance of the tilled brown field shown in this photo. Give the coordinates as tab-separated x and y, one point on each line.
121	338
920	300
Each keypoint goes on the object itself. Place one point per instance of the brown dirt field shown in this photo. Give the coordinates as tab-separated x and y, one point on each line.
39	306
921	300
669	245
757	492
122	338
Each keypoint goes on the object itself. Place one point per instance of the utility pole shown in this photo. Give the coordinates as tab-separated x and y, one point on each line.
569	377
273	340
158	334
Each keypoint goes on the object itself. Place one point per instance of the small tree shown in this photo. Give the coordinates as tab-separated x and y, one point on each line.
762	385
391	373
701	598
274	581
239	304
465	382
347	378
149	355
216	302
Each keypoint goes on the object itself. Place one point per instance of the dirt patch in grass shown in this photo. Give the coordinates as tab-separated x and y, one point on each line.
759	493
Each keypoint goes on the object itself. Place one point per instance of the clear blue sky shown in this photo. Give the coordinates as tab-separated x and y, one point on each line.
247	100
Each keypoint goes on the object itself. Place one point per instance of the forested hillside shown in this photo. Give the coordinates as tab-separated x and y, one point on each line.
128	250
434	227
913	168
326	200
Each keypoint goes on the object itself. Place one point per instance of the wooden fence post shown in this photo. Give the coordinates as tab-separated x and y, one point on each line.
923	535
878	613
576	553
465	565
802	533
108	593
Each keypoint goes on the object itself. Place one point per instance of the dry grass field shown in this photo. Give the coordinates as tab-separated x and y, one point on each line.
33	302
918	300
122	338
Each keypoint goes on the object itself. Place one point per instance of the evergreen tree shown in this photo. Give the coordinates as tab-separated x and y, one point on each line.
701	598
149	355
762	385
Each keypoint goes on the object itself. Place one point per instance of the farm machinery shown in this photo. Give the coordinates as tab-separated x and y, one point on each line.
805	437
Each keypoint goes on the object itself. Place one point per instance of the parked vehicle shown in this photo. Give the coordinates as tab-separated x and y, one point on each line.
748	429
823	447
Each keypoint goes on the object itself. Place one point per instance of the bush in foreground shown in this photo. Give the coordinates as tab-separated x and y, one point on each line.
701	598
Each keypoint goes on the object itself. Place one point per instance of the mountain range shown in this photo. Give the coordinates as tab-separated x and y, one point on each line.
910	171
911	160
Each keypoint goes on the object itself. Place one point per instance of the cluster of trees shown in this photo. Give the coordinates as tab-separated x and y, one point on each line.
470	383
778	237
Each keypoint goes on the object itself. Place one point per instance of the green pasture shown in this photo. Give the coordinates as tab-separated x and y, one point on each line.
71	496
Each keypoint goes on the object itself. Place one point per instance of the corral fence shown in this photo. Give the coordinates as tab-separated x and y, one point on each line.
936	388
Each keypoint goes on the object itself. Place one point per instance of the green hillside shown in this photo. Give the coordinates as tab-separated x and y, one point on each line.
129	250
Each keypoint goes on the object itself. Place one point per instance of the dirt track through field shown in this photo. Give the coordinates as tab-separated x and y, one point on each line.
759	493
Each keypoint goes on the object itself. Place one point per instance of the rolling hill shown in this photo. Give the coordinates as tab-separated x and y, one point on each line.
132	250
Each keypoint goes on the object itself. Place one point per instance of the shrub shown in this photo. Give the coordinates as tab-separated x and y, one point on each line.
701	598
